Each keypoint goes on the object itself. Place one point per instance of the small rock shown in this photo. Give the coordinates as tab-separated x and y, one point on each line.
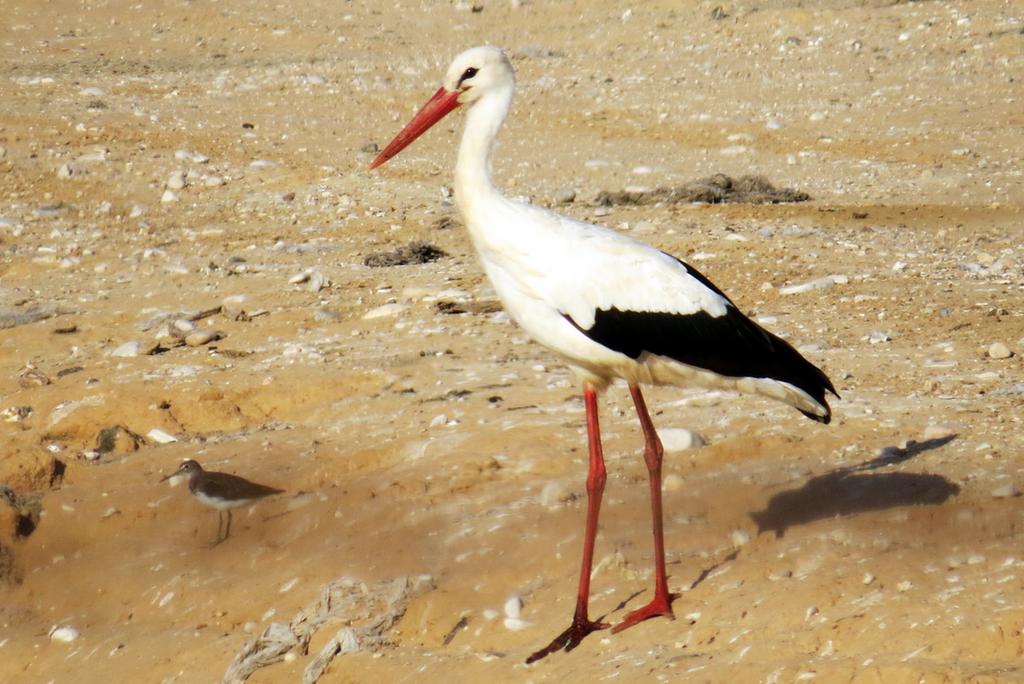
938	432
160	437
868	578
816	284
392	309
553	495
1006	491
998	350
739	538
168	196
214	181
232	308
177	180
317	281
515	624
565	196
184	326
66	634
201	337
513	607
877	337
133	348
680	439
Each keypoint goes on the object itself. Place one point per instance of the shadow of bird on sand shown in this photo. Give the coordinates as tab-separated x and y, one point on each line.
854	489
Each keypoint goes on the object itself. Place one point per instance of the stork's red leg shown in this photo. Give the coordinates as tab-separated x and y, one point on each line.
661	604
581	624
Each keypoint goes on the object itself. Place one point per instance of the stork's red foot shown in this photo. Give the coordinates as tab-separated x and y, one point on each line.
569	639
660	605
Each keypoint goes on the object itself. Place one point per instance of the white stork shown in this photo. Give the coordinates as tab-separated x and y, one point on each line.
612	306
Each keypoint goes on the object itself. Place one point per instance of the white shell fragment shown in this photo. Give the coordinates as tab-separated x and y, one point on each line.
66	634
160	437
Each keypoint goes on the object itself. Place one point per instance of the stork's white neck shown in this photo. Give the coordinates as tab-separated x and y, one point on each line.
473	184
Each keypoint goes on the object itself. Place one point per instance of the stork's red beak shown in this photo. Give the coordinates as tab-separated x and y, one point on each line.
433	111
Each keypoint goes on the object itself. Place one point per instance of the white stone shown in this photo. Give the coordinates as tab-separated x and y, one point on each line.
177	180
938	432
553	494
1006	491
739	538
160	437
513	607
816	284
132	348
515	624
998	350
392	309
67	634
680	439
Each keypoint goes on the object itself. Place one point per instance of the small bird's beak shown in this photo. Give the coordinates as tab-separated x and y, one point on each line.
176	473
443	102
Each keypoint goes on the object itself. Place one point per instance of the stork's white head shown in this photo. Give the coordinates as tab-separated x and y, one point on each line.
472	75
477	71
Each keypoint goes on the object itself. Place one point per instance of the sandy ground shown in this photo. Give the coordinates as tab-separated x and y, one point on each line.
185	160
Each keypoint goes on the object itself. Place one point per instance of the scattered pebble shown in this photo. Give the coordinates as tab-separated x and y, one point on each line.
868	578
160	437
816	284
133	348
877	337
168	196
739	538
392	309
515	624
565	196
177	180
938	432
1006	491
998	350
513	607
680	439
554	494
201	337
67	634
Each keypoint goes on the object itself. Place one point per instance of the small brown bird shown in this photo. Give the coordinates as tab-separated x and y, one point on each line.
222	491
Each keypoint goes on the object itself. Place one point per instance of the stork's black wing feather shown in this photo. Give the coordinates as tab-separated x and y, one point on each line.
731	345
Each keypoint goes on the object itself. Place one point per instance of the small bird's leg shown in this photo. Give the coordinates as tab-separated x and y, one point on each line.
220	525
661	604
581	624
227	532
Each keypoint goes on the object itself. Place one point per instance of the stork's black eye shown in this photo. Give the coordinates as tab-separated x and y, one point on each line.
467	74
